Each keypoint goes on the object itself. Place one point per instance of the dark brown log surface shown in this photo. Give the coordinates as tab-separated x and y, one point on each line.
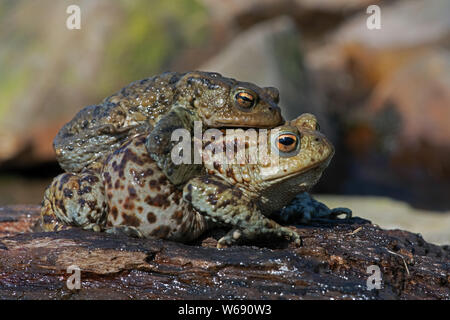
331	264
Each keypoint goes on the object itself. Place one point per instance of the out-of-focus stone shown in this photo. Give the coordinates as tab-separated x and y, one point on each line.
335	5
419	90
416	83
48	72
390	91
315	18
406	27
402	129
403	24
230	9
42	79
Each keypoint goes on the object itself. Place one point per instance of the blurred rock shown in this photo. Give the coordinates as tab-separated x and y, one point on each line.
403	24
407	27
247	13
419	90
48	72
390	91
401	130
314	18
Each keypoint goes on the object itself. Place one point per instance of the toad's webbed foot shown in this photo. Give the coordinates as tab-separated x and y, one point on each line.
305	209
49	220
74	199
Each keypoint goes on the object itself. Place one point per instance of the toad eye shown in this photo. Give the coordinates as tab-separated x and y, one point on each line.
244	99
287	142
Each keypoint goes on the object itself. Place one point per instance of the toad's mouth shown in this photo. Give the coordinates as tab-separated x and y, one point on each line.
315	168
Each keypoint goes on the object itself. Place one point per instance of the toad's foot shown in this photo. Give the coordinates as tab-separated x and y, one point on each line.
227	205
49	221
160	145
305	209
74	200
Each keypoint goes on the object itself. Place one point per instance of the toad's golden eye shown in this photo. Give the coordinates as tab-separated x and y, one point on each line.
287	142
244	99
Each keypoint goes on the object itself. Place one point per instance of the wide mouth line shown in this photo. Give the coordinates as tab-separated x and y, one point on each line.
314	166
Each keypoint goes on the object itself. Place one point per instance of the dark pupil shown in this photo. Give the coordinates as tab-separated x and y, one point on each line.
245	98
287	141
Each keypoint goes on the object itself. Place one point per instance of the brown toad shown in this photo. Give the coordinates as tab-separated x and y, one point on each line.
131	194
143	106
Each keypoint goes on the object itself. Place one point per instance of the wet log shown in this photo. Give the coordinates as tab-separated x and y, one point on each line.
332	263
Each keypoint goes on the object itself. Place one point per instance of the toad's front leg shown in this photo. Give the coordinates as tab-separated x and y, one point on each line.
227	205
160	145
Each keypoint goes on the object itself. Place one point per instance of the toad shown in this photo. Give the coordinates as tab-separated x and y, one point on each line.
131	195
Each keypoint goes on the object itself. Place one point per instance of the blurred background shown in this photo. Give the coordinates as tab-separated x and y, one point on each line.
382	96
